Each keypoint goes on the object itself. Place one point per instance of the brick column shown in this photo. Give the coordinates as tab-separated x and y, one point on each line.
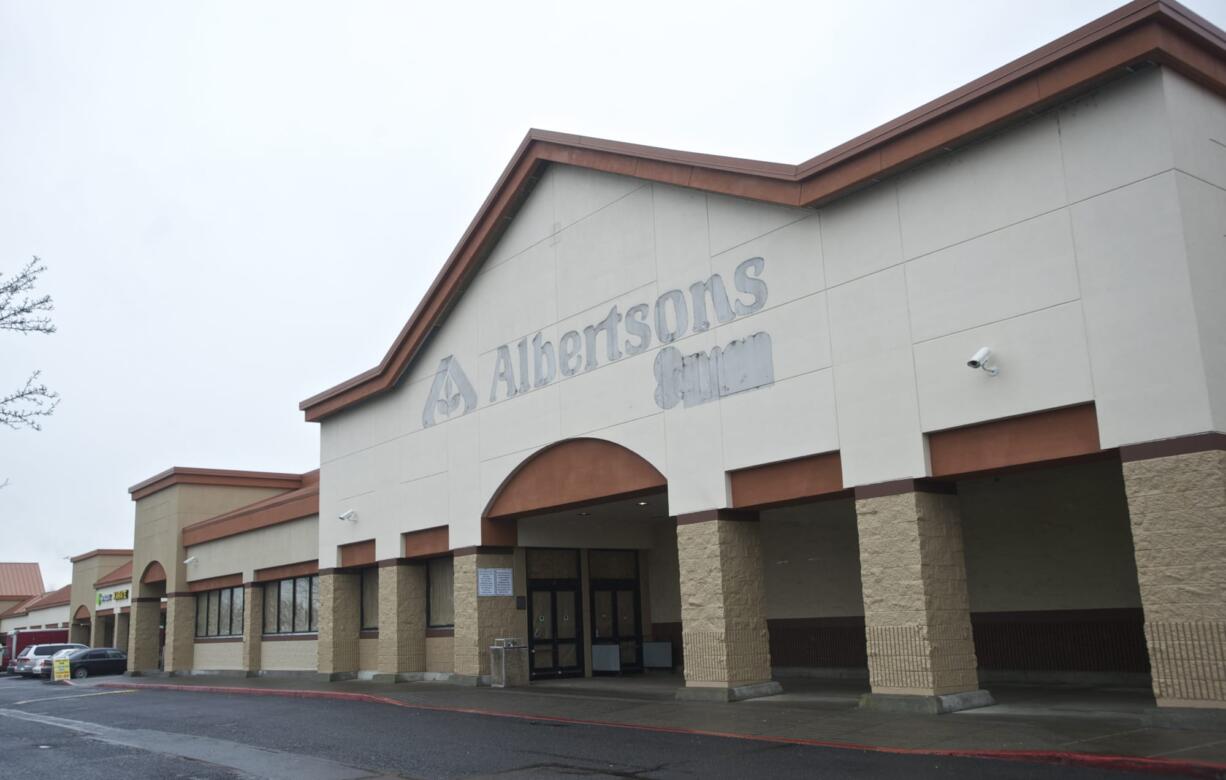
253	627
402	620
180	632
921	654
340	604
122	628
479	620
1177	505
723	607
143	644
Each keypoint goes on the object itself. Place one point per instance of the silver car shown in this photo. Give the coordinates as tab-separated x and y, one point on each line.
31	660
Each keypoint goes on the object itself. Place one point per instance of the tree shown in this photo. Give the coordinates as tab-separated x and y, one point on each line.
24	313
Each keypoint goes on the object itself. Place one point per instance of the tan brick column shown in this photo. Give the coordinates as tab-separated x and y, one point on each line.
479	620
723	607
402	620
1177	505
146	618
122	627
180	632
921	654
340	604
253	627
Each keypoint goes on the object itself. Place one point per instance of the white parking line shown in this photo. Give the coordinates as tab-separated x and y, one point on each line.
73	696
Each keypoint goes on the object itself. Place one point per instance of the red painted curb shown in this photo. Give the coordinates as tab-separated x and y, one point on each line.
1155	766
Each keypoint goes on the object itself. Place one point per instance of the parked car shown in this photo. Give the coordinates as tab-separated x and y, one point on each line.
92	661
33	658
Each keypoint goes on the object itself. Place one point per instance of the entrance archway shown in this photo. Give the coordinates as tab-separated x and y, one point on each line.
81	626
147	625
589	522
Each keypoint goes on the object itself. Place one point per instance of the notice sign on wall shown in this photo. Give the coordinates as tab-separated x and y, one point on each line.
494	582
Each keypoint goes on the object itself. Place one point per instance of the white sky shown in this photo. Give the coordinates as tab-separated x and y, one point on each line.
241	203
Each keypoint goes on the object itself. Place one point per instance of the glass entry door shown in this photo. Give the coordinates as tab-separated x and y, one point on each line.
617	636
555	636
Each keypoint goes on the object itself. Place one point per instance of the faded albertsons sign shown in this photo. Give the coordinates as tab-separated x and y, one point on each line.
688	379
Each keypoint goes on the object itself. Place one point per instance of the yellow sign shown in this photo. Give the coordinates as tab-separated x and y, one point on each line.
60	669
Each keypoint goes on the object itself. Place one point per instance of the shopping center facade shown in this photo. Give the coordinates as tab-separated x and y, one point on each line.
663	409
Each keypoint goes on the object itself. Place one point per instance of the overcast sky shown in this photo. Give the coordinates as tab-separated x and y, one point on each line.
241	203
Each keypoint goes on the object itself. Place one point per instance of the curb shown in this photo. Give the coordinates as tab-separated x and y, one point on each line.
1154	766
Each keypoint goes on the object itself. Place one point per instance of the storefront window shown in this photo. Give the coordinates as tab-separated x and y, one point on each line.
370	599
440	578
291	606
219	612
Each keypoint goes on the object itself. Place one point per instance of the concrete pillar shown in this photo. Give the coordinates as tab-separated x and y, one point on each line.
97	632
180	633
921	653
340	603
122	629
1177	506
402	620
479	620
80	633
723	607
253	627
144	637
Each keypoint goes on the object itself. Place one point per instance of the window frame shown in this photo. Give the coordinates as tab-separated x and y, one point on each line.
212	598
362	616
273	589
429	588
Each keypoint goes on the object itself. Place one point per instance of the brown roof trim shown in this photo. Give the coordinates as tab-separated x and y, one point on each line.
274	510
787	481
1035	438
117	576
216	583
899	487
56	598
711	515
1144	31
273	573
1165	448
95	553
184	475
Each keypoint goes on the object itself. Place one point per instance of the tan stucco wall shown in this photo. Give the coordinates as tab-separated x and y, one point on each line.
292	655
440	654
368	655
275	545
811	561
161	516
217	656
85	573
1050	539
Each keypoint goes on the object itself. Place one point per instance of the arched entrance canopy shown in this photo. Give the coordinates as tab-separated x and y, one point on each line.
82	613
571	473
153	573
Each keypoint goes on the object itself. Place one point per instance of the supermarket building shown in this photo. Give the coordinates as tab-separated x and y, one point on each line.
659	403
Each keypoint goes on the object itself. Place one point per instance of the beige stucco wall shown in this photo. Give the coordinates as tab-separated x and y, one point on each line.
277	545
217	656
161	516
85	573
290	655
368	654
39	617
440	654
811	560
1055	538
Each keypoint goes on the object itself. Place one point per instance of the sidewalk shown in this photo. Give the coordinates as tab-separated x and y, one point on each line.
1109	728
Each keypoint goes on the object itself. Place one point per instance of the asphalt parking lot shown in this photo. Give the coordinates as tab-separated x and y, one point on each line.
56	731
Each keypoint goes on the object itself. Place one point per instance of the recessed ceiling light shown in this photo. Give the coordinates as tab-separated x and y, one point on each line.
642	503
585	514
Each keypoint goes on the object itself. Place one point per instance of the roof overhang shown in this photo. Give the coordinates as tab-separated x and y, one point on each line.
181	475
1138	33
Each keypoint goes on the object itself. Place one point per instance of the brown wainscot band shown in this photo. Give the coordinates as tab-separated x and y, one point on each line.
1182	445
272	573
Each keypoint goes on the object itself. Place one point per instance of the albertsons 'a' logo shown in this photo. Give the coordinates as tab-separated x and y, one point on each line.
450	391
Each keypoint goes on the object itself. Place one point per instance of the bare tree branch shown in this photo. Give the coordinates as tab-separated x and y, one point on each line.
23	408
18	311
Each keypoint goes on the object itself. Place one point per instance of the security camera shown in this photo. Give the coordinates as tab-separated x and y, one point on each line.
347	516
189	561
980	360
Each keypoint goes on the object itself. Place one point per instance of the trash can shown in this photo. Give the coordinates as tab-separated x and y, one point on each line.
508	663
